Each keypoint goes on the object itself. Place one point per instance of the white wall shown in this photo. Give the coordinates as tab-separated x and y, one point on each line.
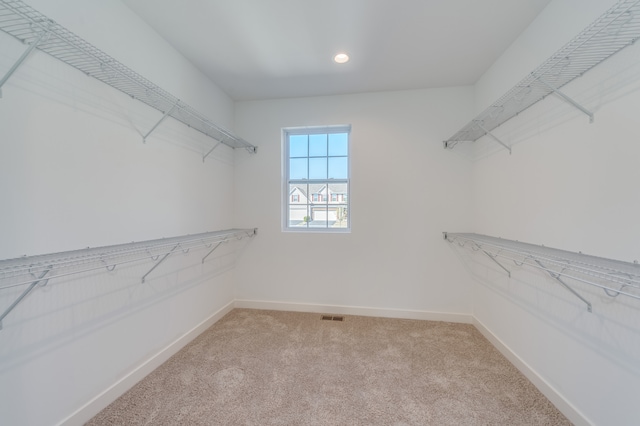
405	190
75	173
574	186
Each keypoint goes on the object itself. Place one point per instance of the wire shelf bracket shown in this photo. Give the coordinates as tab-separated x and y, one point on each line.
493	257
22	58
492	136
39	31
614	277
160	261
166	114
204	157
32	271
24	294
567	99
565	285
212	250
616	29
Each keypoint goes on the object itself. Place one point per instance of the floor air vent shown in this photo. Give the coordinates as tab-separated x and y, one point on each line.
332	318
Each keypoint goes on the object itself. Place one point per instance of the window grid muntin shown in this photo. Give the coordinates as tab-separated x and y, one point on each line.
343	202
342	206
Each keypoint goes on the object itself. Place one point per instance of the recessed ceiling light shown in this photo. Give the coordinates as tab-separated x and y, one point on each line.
341	58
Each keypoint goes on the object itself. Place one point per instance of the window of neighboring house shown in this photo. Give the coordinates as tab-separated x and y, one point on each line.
295	198
316	162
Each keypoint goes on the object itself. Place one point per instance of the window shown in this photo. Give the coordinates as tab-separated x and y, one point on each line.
316	166
295	198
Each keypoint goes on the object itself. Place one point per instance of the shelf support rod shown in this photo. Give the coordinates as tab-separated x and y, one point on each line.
567	98
212	250
169	111
160	261
23	295
494	259
449	144
492	136
21	60
210	151
565	285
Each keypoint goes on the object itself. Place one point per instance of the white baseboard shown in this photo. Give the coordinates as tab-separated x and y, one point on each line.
93	407
355	310
570	412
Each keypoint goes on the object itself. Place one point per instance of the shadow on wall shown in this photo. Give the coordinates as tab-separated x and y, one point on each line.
616	78
82	97
610	330
68	308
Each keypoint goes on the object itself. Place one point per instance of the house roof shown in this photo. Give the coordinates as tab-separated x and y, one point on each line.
315	188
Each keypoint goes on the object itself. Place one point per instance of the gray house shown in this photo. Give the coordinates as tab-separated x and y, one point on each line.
318	202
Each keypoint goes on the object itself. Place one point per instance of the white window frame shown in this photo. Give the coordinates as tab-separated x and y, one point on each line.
286	132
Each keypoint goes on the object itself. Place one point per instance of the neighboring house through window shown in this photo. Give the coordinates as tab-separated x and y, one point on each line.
316	183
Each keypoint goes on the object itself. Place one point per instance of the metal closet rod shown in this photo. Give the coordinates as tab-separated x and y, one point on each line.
109	257
38	270
39	31
596	271
617	28
109	252
606	269
601	271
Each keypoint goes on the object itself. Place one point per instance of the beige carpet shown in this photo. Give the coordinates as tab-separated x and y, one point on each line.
283	368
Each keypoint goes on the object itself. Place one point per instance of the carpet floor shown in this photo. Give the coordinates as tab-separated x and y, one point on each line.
258	367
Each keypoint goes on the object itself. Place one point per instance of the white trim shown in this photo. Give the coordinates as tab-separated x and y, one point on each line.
565	407
315	130
285	201
355	310
101	401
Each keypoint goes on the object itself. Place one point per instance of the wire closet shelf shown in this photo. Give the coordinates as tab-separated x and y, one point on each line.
31	271
38	31
613	276
615	29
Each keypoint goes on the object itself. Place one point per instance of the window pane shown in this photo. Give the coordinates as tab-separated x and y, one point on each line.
298	215
318	217
341	216
338	144
298	168
338	168
298	146
317	168
338	216
298	212
322	159
338	188
298	191
317	145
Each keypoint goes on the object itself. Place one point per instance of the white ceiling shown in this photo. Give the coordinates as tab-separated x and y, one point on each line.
260	49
